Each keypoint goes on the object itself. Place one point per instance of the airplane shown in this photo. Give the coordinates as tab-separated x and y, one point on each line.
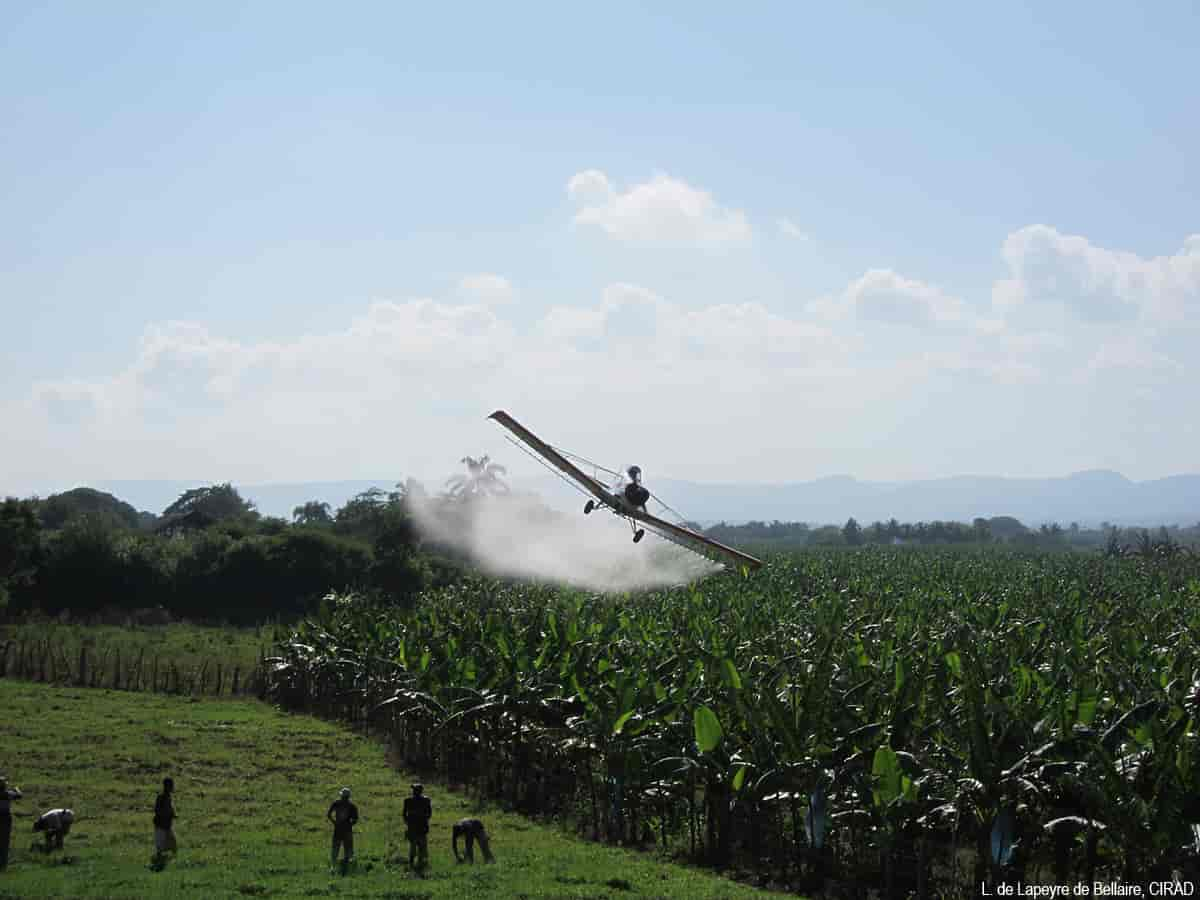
625	498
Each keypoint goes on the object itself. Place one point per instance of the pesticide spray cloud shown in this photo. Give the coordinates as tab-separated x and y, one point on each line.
517	535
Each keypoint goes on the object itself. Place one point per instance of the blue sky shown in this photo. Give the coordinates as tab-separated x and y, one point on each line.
288	241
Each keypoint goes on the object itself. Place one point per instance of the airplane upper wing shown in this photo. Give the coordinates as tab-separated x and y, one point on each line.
695	541
552	456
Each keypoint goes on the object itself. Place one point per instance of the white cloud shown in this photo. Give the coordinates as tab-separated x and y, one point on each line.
712	390
633	321
1095	284
183	367
975	363
791	229
487	287
662	210
1132	352
749	330
590	186
417	376
1007	294
67	402
884	296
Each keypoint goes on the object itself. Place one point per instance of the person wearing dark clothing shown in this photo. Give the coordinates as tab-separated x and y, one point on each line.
472	830
344	815
56	824
417	813
7	796
636	495
164	819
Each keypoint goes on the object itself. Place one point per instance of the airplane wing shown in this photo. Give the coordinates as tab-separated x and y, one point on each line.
696	542
676	534
552	456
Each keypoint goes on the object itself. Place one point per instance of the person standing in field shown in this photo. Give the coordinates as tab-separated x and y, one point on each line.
56	824
344	815
164	820
417	813
7	796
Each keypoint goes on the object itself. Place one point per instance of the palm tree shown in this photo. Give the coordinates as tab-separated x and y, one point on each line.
482	478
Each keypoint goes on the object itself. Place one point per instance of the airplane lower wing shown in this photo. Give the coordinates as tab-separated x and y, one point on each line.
694	541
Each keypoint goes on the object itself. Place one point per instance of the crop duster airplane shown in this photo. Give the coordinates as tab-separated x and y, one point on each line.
626	497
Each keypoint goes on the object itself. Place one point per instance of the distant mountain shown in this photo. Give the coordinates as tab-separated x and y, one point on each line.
1085	497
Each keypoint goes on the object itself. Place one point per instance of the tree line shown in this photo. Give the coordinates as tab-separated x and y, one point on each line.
996	530
210	555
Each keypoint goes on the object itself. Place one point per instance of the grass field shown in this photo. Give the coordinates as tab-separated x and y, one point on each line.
252	788
183	656
188	645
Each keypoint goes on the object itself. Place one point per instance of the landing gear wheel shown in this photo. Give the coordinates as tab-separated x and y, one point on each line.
589	506
639	534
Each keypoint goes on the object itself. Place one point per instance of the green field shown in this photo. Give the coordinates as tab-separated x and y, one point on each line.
948	717
252	787
927	700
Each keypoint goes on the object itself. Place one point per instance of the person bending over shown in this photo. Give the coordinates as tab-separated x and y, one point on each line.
472	830
55	824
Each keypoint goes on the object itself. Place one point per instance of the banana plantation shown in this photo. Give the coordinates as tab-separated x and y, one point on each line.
888	722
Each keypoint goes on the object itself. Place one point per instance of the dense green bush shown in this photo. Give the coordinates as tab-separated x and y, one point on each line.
213	557
81	569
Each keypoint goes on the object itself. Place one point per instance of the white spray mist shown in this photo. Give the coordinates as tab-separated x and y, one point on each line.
517	535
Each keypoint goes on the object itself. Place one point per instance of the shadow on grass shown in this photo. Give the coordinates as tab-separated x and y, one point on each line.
159	861
54	856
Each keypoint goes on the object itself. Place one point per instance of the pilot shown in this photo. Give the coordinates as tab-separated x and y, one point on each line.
636	495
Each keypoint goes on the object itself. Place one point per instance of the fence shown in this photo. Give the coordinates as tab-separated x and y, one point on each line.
42	659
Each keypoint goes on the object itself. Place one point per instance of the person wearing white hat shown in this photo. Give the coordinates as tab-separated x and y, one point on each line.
56	823
344	815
